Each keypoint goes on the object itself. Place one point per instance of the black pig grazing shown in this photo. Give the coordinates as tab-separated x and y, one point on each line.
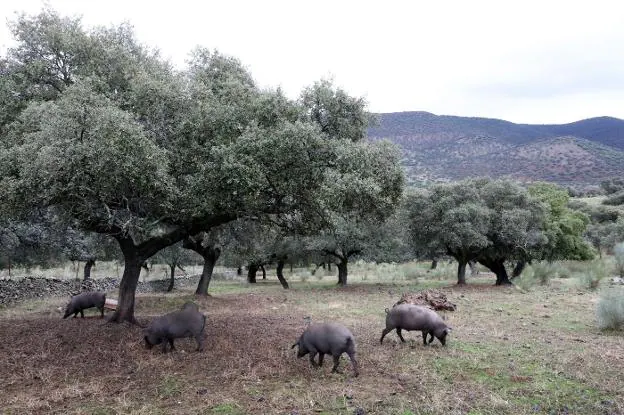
327	338
412	317
81	302
187	322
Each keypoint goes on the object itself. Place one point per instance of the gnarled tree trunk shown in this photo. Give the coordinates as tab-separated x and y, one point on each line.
263	272
497	266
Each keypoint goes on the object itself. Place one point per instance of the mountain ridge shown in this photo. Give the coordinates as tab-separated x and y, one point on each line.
448	147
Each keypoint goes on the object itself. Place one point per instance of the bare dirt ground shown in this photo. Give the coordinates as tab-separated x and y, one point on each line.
509	353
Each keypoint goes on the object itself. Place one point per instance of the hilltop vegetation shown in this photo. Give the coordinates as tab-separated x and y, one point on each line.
445	148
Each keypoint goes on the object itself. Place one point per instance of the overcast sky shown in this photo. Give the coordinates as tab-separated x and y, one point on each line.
524	61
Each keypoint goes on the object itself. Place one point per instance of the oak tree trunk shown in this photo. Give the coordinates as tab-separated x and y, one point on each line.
171	276
434	264
263	272
280	275
461	272
252	269
87	268
127	289
342	271
497	266
211	254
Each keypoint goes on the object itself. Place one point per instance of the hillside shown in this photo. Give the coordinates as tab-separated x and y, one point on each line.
441	148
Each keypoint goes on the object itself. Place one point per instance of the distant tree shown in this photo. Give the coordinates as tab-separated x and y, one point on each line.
175	257
449	219
259	243
614	199
613	185
563	227
606	227
496	221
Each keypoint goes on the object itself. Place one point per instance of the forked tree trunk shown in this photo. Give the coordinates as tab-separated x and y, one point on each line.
280	275
252	269
87	268
210	256
497	266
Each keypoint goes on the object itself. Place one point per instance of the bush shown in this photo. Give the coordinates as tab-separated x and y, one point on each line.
610	310
527	279
543	272
592	277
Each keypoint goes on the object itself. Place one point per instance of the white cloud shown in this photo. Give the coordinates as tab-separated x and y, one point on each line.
525	61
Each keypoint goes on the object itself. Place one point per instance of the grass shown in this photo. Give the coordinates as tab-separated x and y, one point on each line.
510	352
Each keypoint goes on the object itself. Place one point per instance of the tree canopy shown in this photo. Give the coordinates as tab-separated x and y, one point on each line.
493	221
106	131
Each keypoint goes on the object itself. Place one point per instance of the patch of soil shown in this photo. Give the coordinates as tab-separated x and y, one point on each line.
434	299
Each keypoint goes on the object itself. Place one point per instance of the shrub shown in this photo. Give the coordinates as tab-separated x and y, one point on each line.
610	310
592	277
543	272
527	279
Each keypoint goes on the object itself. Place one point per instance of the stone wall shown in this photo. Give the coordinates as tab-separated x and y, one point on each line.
15	290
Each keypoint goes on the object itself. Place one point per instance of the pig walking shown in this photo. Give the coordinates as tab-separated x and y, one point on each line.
412	317
82	301
327	338
187	322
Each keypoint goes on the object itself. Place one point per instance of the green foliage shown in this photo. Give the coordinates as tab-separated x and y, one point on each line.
106	131
605	235
563	227
489	220
610	309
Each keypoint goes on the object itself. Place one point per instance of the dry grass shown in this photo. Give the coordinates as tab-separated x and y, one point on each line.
509	353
